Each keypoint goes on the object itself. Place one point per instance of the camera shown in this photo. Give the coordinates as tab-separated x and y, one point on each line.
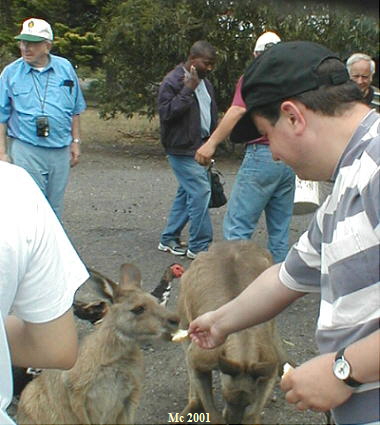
42	125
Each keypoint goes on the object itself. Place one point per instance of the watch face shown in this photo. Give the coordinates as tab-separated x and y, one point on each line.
341	369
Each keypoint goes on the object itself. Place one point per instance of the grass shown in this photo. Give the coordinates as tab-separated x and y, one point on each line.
118	132
136	135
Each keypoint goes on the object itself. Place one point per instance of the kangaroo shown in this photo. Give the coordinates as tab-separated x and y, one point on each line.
104	386
94	311
249	360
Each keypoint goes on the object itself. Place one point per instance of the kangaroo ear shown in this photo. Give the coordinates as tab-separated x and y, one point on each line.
106	285
229	367
93	312
129	275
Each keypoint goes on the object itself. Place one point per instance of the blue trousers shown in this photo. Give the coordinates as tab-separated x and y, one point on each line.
261	184
49	167
190	204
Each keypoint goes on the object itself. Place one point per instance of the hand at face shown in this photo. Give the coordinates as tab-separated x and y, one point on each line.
205	333
314	386
192	79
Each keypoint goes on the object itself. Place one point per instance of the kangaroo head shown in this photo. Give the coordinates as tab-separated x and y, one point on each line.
242	385
135	313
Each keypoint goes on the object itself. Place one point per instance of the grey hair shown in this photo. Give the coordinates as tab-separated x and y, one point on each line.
356	57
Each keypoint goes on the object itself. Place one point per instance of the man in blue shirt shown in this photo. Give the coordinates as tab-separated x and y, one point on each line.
40	103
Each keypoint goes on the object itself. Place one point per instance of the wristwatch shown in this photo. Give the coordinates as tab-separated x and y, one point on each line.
342	370
76	140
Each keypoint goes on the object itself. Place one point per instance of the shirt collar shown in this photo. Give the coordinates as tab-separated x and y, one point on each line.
30	68
356	138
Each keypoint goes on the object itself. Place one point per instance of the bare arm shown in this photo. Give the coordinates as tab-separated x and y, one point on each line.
52	344
263	299
313	384
3	143
75	147
364	358
226	125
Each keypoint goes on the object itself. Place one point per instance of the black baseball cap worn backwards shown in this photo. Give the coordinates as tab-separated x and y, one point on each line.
286	70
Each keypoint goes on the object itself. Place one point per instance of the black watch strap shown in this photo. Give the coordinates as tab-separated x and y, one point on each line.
349	381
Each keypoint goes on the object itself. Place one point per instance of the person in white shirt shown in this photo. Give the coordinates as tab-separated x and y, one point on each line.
39	274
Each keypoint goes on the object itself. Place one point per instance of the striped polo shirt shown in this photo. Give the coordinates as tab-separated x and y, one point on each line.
338	256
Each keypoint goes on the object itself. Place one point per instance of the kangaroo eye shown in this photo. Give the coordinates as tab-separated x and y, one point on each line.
138	310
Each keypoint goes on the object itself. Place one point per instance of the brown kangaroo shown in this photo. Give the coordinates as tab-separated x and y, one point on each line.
250	360
104	386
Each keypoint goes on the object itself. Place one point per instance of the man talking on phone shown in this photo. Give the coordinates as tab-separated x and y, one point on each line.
188	115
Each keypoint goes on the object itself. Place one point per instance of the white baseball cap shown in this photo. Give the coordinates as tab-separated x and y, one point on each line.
36	30
268	37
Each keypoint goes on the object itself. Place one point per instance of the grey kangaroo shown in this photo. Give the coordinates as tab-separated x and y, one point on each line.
104	386
250	360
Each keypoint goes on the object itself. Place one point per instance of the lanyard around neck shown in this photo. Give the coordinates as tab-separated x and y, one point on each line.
41	99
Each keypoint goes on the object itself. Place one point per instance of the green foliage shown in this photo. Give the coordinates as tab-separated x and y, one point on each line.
143	40
74	25
83	49
129	45
139	49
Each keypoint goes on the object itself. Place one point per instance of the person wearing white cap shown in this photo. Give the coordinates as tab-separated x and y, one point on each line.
40	104
261	184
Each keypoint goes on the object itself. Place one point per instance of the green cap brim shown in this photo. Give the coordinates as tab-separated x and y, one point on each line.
28	37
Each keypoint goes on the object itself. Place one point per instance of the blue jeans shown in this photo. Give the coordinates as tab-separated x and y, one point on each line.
49	167
261	184
190	204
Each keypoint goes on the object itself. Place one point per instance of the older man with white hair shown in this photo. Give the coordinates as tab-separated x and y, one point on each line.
361	68
261	184
40	104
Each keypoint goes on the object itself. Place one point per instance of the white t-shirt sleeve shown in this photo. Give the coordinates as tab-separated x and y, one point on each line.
40	268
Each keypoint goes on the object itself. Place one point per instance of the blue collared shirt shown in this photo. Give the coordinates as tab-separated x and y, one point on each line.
23	99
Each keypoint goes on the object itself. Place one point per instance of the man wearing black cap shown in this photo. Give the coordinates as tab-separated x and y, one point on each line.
300	96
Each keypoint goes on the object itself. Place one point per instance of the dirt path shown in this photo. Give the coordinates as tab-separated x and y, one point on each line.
115	208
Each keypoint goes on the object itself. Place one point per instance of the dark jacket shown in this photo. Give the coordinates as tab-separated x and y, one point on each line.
179	113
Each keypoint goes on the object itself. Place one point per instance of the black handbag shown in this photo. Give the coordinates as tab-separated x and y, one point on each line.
218	198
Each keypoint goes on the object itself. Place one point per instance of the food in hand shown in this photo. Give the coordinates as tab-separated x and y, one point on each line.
180	335
286	368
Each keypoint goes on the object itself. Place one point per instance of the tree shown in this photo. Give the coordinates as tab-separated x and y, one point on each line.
74	25
132	44
142	40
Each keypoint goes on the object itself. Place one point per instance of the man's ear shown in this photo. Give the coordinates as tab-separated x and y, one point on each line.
49	45
294	115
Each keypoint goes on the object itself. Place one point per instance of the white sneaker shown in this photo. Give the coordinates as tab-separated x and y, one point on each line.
172	247
190	254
